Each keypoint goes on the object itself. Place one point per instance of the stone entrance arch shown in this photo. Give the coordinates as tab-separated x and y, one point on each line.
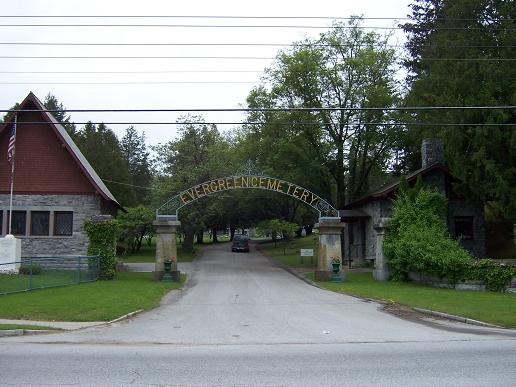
330	226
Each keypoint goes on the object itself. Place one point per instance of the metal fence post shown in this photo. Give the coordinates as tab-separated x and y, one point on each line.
30	273
78	269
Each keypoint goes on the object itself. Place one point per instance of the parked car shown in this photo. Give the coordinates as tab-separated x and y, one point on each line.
240	243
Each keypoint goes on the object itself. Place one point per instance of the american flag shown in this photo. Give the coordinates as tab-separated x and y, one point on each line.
12	139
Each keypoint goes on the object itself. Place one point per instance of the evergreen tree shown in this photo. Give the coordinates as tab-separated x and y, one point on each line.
101	148
59	113
136	157
460	55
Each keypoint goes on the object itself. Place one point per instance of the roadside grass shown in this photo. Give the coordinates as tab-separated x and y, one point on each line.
93	301
47	278
491	307
4	327
148	254
289	254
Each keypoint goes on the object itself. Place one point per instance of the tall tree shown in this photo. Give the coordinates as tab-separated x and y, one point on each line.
344	69
59	113
137	159
101	147
460	55
193	158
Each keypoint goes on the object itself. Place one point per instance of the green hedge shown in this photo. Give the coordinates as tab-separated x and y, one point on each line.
102	236
418	241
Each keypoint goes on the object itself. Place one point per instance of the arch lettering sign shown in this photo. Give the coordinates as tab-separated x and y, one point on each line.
252	180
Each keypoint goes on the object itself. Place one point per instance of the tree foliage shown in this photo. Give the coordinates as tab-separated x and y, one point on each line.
101	148
345	68
135	225
418	238
135	153
59	113
458	52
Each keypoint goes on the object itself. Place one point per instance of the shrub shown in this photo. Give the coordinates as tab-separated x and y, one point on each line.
418	239
494	275
102	236
26	269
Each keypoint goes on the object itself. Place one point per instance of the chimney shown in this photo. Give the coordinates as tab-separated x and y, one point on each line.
432	152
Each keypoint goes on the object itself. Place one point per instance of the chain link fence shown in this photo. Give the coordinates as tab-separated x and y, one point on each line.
47	272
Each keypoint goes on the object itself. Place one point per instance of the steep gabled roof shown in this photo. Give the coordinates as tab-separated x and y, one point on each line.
388	189
70	146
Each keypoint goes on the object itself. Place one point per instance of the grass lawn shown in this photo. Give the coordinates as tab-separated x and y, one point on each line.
289	254
94	301
47	278
495	308
148	254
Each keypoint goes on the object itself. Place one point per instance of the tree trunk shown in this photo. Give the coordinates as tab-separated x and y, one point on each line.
232	233
214	235
200	237
188	241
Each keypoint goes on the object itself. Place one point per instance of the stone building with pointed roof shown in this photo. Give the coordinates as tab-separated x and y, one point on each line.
465	218
55	187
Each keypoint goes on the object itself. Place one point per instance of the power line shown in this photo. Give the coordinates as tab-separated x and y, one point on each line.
259	26
220	57
130	57
226	17
279	123
136	83
151	44
132	72
277	109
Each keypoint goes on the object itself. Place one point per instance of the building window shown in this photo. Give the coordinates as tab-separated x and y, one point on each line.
39	223
18	223
63	223
464	227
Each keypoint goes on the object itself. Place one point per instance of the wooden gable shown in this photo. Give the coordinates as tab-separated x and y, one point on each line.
43	163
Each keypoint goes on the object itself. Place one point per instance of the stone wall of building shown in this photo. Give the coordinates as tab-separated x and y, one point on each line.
82	206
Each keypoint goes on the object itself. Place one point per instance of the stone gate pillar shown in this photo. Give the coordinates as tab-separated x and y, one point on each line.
329	246
381	270
166	247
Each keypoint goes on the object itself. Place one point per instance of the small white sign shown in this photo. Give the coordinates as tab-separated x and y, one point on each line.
307	252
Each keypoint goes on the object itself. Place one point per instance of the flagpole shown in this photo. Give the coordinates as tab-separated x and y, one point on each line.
12	179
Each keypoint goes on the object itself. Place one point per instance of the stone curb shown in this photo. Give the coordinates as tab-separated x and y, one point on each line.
457	318
21	332
125	316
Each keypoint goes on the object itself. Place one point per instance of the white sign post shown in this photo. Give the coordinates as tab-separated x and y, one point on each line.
306	253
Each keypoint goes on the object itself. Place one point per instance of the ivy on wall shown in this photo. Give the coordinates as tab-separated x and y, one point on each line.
103	235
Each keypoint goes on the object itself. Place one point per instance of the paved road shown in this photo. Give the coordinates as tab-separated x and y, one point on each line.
244	321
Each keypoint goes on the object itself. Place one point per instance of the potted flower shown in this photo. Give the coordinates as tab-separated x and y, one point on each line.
335	262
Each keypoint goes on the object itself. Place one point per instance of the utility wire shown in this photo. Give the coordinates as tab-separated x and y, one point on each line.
228	17
284	123
259	26
224	58
150	44
278	109
136	83
132	72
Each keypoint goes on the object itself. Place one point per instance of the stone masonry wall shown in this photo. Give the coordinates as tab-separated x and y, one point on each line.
83	207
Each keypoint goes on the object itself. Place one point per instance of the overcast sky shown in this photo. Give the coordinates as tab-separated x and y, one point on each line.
158	89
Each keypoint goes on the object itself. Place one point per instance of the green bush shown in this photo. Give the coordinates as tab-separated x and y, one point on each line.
102	236
494	275
26	269
418	239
